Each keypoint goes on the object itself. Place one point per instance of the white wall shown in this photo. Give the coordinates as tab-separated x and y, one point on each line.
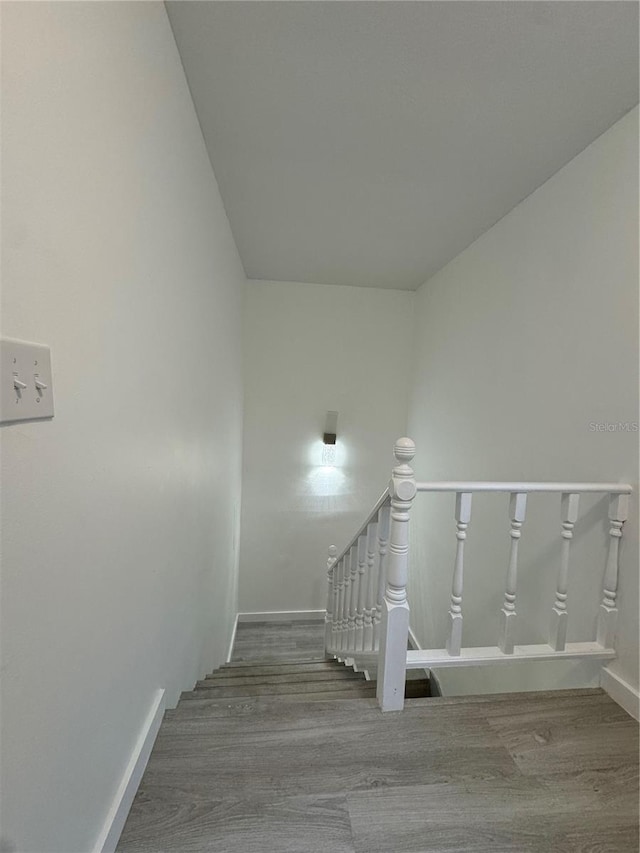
120	516
309	349
523	341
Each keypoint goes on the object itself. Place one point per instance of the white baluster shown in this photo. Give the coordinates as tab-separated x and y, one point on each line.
367	637
337	610
608	613
343	598
392	658
559	614
353	599
328	618
362	590
384	520
517	510
337	572
463	516
346	592
349	595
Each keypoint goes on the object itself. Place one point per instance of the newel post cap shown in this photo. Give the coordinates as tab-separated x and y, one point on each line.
403	485
404	450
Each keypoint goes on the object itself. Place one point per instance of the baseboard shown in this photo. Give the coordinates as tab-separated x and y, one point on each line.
117	815
621	692
281	616
413	641
233	638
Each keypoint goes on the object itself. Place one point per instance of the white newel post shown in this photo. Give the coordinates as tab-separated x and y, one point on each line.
608	613
559	614
331	588
384	520
367	637
362	589
392	658
463	517
517	510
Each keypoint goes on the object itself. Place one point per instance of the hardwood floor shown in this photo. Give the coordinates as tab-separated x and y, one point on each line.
524	773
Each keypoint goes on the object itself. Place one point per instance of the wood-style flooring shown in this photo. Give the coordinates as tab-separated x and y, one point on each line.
524	773
259	641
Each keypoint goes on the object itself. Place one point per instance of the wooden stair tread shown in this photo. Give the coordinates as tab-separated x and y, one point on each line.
360	692
262	689
279	678
265	682
276	661
277	669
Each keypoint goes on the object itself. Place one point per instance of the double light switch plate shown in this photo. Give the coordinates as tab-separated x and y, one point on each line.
26	391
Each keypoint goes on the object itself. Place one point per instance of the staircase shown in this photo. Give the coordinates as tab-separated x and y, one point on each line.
294	681
284	749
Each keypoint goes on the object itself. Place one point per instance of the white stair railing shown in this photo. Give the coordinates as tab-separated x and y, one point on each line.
367	618
342	570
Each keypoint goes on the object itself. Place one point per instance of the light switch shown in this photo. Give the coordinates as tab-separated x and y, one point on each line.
26	389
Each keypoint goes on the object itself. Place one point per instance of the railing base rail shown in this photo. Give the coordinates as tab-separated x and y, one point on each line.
488	655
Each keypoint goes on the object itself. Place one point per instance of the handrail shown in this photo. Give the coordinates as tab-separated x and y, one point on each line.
382	500
517	487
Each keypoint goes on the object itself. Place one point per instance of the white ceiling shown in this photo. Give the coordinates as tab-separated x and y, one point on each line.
367	143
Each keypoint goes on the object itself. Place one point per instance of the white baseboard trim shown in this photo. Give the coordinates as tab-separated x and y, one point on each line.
413	640
281	616
621	692
233	639
119	810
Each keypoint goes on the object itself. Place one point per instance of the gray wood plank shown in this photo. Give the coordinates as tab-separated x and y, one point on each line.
289	825
362	691
283	689
256	677
488	816
550	749
590	736
330	755
244	668
272	713
260	640
270	710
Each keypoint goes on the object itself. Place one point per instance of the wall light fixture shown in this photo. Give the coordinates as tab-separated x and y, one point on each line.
329	438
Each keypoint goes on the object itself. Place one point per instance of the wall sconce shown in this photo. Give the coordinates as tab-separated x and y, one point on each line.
329	438
330	428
